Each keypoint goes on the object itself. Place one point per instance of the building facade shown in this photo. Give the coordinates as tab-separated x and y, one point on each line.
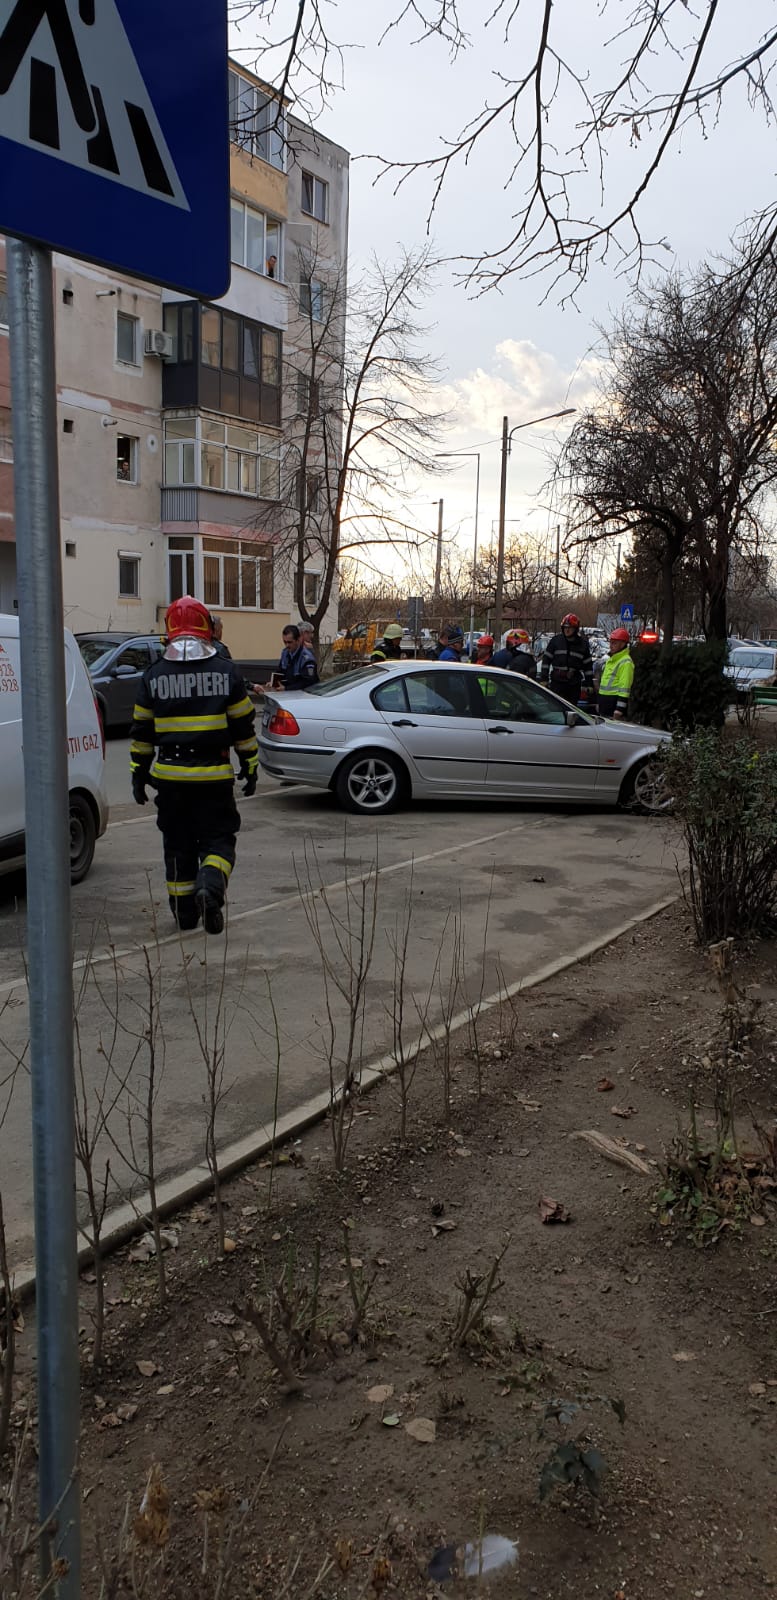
176	417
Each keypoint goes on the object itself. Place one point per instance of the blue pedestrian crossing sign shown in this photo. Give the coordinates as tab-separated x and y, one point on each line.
114	136
627	613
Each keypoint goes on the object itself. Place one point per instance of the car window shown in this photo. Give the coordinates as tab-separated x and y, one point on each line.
137	656
515	699
391	696
94	651
344	684
439	694
761	660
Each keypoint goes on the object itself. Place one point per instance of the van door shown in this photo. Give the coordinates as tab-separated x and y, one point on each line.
11	760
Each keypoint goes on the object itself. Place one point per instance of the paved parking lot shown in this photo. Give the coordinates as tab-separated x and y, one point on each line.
528	885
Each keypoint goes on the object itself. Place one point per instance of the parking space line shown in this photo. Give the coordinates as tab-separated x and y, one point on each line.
287	900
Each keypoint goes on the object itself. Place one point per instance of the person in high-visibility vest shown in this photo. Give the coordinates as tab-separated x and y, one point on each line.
617	677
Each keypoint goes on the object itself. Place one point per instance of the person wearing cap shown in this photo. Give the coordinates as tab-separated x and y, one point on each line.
516	656
617	678
484	651
306	635
452	641
566	665
390	642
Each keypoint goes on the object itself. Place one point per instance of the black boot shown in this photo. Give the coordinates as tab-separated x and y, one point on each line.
212	914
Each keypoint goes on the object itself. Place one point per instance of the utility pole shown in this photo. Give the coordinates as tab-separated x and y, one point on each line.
500	553
438	562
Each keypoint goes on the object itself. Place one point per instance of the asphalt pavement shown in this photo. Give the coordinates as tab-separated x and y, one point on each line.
526	885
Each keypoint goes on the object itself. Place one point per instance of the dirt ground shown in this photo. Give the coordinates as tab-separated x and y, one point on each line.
611	1305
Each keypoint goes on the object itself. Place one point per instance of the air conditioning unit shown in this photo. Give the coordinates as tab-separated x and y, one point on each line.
157	343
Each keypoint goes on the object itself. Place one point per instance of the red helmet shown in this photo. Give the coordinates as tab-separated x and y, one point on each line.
619	636
188	617
518	633
485	639
570	620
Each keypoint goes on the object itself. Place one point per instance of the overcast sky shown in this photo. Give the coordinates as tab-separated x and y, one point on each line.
506	353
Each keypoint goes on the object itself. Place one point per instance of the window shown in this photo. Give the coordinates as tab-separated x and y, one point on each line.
3	301
180	567
237	574
308	396
210	337
311	299
390	696
126	458
178	320
67	297
127	329
309	501
256	240
213	454
256	122
439	694
315	197
129	587
311	588
237	370
136	656
518	701
68	425
6	437
70	548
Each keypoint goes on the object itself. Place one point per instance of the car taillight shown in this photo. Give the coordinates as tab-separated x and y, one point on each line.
100	721
283	722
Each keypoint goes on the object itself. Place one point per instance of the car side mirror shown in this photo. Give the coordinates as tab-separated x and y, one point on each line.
574	720
124	670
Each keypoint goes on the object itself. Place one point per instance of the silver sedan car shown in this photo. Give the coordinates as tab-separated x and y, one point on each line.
392	732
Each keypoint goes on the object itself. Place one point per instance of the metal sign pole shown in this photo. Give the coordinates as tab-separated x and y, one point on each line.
47	838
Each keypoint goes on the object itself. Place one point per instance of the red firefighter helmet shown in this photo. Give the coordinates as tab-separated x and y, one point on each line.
619	636
188	617
518	633
570	620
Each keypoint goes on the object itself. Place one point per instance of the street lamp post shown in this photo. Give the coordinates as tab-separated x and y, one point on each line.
507	434
476	454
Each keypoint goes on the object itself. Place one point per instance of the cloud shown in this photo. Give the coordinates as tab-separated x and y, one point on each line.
521	383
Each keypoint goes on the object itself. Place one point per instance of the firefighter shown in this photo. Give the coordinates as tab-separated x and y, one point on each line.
566	665
617	677
191	708
517	656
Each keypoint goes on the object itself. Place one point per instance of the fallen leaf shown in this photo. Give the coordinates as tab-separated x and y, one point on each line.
152	1524
461	1150
380	1393
391	1421
147	1369
223	1319
528	1105
622	1111
229	1247
423	1429
166	1388
757	1220
111	1419
756	1389
552	1210
344	1553
684	1355
443	1227
605	1085
128	1412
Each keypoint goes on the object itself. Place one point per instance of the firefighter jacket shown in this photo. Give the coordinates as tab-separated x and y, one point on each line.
515	661
617	678
187	716
566	659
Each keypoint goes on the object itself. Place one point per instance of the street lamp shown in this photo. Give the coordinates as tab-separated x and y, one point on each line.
476	454
507	434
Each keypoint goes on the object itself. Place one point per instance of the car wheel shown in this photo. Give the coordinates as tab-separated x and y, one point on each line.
644	789
83	835
370	783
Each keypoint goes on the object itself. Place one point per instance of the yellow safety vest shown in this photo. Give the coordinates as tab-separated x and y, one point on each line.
617	676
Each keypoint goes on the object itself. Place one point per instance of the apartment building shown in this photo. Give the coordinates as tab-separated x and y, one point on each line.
176	417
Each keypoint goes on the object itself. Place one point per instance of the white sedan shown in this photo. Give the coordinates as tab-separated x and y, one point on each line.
399	731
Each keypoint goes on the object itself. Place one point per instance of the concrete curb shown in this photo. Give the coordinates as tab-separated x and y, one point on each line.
175	1193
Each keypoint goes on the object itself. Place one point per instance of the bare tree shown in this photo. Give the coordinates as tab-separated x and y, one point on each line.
361	389
679	454
585	120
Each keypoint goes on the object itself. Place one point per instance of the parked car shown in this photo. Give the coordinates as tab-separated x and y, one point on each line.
116	663
401	731
85	752
749	667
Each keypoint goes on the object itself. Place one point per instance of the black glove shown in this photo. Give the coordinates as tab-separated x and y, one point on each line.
249	787
139	789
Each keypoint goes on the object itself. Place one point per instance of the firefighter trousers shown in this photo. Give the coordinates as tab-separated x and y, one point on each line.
199	823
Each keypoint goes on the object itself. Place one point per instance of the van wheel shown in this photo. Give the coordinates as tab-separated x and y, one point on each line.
83	836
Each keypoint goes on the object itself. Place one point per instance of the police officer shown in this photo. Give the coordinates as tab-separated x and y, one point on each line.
191	708
617	677
566	665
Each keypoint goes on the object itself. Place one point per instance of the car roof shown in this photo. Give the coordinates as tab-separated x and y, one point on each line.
116	638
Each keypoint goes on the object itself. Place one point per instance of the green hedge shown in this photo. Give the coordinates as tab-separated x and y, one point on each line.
686	689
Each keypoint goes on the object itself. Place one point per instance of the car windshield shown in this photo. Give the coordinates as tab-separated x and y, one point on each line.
347	681
94	651
762	659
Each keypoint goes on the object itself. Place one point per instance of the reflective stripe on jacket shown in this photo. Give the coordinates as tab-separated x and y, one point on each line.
187	716
617	677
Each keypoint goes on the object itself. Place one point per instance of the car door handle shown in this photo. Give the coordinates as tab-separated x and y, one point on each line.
500	729
404	722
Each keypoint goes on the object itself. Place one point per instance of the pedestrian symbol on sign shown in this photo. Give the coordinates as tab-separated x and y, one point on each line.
70	86
627	613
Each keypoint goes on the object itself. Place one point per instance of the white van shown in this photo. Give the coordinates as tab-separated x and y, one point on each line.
85	752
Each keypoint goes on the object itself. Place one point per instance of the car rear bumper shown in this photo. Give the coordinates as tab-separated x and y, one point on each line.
294	763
